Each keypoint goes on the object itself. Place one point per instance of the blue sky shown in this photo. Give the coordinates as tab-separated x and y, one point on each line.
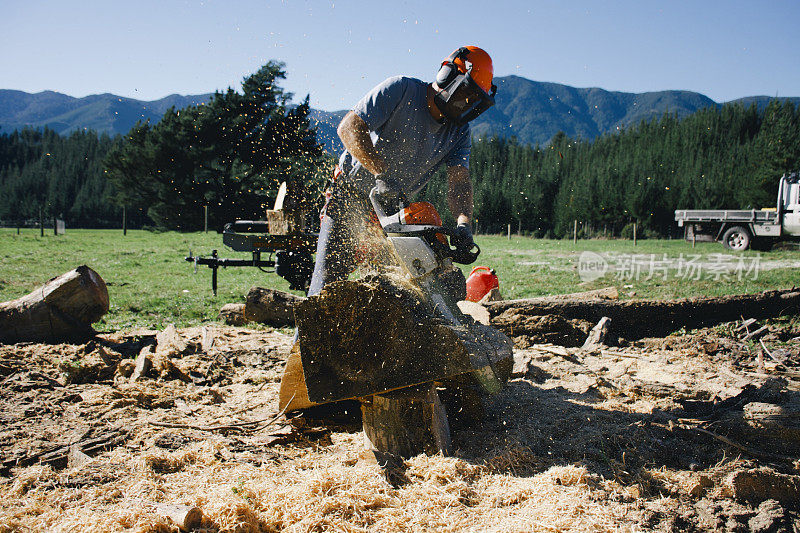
337	50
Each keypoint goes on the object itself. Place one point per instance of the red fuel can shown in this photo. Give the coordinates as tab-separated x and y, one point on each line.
481	280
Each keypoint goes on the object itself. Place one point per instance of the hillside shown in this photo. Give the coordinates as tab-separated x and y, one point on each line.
530	110
106	113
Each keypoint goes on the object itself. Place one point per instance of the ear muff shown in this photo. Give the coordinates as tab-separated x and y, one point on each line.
449	70
445	74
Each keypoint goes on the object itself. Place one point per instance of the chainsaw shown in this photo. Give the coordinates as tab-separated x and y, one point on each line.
420	241
427	251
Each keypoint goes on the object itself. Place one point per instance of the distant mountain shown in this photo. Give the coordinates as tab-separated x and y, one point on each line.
530	110
105	113
535	111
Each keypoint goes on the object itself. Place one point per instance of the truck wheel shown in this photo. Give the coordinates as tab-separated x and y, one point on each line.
736	238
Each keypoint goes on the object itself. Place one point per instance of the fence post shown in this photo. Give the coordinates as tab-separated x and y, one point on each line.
124	220
634	233
575	232
41	222
509	232
205	219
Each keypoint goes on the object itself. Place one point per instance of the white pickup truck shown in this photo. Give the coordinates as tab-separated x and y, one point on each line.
747	228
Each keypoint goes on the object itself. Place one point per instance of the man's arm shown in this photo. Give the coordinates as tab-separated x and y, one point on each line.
354	133
459	194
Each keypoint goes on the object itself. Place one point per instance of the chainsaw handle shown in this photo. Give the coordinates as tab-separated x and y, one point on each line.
461	255
376	204
466	257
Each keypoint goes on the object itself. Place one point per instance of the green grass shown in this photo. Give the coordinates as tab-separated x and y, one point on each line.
537	267
150	284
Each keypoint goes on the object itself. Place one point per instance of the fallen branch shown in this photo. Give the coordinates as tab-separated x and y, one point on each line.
742	447
236	426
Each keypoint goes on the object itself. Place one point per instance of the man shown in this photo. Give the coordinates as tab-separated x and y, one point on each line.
395	138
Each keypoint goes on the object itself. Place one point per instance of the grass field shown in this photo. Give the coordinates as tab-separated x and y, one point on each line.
151	285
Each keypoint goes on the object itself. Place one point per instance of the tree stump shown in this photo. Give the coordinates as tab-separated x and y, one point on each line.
62	309
406	422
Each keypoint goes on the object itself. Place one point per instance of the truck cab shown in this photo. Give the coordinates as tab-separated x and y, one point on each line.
789	204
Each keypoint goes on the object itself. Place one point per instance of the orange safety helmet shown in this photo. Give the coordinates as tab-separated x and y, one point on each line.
465	84
481	69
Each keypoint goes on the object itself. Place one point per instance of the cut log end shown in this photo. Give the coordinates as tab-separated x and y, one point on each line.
185	517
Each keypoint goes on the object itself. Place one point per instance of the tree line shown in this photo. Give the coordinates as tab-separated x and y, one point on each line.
230	154
227	157
728	157
43	172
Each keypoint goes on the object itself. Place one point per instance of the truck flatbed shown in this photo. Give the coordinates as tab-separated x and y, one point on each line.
759	216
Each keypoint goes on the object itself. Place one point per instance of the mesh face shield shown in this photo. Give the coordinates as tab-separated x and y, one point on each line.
462	100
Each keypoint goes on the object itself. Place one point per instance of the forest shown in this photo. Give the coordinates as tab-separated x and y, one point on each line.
727	157
232	153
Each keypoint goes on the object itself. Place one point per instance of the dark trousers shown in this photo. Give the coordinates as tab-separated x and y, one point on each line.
344	232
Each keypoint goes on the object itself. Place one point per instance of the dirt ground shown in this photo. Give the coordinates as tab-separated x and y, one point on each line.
655	435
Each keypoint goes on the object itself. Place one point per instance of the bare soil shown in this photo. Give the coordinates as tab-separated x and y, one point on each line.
648	436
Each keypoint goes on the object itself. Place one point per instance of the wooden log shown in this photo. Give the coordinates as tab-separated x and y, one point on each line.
186	517
756	485
268	306
359	338
642	318
293	393
782	420
606	293
62	309
278	223
406	422
232	314
597	336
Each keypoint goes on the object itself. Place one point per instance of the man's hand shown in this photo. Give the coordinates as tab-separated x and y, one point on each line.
389	194
462	240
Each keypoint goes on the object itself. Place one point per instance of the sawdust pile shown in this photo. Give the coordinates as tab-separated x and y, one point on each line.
608	440
317	490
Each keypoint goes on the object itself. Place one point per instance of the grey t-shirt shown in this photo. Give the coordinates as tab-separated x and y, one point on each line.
406	136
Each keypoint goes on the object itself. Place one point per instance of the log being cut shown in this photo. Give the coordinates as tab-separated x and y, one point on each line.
62	309
366	337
